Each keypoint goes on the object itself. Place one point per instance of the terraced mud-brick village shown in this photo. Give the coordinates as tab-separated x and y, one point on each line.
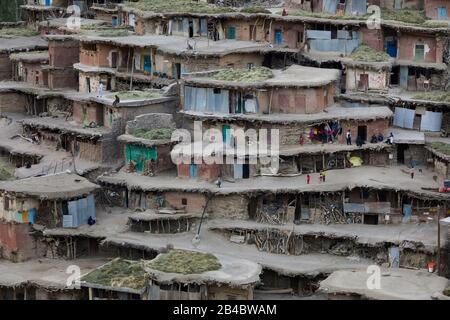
224	149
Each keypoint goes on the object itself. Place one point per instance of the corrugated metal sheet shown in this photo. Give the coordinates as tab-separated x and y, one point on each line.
431	121
318	34
79	212
358	7
368	207
354	207
334	45
330	6
404	118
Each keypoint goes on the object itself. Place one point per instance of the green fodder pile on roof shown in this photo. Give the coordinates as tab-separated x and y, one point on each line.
185	262
135	95
323	15
153	134
440	96
6	170
112	33
171	6
367	54
119	273
404	15
244	75
18	32
441	147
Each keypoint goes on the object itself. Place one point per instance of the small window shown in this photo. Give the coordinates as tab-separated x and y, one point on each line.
6	204
184	201
216	91
250	65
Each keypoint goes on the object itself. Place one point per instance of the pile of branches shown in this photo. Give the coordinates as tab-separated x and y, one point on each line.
276	241
330	213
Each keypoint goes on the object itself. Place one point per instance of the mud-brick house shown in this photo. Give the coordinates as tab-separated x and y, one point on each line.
333	37
367	76
63	53
9	46
418	54
157	60
29	67
437	9
438	157
61	200
60	26
107	12
147	139
104	112
95	144
35	11
295	90
218	278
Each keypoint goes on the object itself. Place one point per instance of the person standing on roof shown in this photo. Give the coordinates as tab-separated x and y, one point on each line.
348	137
390	139
284	13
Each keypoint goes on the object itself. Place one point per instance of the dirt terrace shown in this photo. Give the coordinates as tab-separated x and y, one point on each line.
393	178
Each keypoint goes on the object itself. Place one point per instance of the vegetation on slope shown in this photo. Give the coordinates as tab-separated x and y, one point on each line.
188	6
18	32
440	96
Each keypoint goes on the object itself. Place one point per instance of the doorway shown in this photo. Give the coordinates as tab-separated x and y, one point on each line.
363	82
191	29
114	59
88	84
370	219
362	132
395	76
401	148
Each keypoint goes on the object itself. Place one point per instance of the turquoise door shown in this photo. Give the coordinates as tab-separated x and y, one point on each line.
278	37
192	171
442	13
226	133
231	33
147	64
48	2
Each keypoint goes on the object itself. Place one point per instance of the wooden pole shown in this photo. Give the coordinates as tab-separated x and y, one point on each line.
439	243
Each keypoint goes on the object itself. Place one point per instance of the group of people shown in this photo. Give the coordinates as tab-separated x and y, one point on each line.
324	135
374	139
322	176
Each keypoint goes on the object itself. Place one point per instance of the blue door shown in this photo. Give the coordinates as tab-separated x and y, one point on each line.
407	210
147	64
114	21
48	2
391	48
442	13
278	37
192	171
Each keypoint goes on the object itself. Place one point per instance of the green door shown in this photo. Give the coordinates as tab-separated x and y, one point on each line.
139	154
231	33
